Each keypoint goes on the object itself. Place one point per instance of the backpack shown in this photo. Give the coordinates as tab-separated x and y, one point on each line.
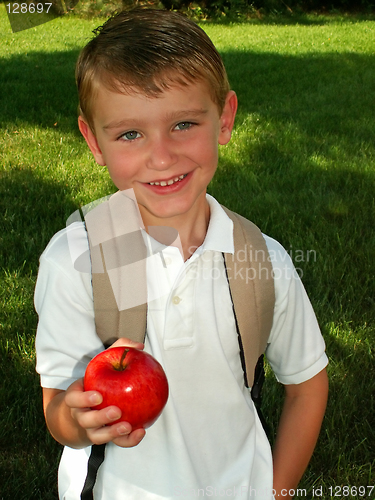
250	280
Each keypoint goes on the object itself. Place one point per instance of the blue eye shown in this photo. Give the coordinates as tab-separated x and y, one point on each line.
131	135
184	125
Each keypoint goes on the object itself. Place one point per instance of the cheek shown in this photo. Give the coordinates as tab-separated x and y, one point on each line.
205	150
121	168
211	159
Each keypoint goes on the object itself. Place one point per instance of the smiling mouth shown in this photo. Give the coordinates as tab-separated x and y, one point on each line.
168	183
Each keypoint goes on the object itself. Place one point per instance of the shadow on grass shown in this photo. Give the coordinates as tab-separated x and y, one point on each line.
32	210
350	420
344	452
28	454
39	88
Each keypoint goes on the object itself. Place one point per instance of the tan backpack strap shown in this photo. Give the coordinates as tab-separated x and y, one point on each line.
251	285
118	255
111	324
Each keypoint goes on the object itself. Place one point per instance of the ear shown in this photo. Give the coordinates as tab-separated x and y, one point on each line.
227	117
91	140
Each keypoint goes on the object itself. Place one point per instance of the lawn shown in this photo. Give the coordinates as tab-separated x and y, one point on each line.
301	165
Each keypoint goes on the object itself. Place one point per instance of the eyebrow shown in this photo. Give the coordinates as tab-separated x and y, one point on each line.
179	115
173	116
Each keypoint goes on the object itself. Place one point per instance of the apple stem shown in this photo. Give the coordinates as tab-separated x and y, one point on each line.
122	367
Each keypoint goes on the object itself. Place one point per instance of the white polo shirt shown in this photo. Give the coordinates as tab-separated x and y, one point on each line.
208	442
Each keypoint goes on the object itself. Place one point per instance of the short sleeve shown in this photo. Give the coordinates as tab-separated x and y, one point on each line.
296	349
66	338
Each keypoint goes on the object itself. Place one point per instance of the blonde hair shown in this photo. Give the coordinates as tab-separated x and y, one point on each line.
148	51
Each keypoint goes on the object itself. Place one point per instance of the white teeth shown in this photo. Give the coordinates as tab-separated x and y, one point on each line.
168	183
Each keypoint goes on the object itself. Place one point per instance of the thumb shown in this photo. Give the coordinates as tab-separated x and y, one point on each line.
125	342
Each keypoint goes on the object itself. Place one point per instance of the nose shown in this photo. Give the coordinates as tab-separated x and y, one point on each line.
161	153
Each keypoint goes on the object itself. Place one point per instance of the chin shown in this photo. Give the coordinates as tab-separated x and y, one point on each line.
165	210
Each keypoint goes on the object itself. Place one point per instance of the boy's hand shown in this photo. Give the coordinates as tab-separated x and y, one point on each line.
96	423
123	341
72	421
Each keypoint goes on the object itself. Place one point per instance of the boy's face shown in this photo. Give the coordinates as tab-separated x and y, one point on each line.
164	148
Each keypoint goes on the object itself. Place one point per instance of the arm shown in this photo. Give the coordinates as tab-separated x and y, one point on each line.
298	431
73	423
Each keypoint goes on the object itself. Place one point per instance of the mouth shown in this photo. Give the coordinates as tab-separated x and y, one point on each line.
168	182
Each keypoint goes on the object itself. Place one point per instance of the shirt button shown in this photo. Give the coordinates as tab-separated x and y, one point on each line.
176	300
168	261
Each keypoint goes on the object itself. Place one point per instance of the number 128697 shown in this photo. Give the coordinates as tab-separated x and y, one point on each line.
353	491
28	8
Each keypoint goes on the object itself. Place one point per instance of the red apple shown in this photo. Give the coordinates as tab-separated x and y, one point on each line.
130	379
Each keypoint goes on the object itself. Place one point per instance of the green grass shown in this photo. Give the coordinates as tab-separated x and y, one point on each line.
301	165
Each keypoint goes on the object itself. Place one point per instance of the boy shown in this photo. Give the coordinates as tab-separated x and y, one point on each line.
154	105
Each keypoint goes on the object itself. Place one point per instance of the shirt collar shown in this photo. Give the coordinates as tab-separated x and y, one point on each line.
219	235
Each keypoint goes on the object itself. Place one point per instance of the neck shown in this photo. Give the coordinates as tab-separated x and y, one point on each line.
191	226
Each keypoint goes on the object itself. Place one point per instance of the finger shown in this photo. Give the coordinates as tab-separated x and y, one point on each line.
77	397
94	419
125	342
109	433
130	440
